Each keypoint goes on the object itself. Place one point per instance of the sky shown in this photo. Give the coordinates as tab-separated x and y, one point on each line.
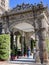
13	3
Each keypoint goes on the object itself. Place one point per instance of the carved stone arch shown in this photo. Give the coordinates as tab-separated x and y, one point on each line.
29	21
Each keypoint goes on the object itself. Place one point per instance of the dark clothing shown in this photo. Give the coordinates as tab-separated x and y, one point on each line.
19	52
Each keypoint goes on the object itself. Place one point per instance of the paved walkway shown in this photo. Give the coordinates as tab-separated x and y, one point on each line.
7	63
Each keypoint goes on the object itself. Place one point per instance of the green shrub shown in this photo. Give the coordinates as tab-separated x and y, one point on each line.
4	46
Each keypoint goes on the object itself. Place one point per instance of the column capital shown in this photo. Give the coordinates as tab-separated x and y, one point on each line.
23	34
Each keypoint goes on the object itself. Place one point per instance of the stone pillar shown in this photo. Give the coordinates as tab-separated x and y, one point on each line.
36	39
22	45
16	45
18	42
14	40
42	37
37	47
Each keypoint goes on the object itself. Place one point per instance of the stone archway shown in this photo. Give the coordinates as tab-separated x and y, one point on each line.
35	15
39	29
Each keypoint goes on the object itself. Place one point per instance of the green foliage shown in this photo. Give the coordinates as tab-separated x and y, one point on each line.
33	43
47	43
25	49
4	46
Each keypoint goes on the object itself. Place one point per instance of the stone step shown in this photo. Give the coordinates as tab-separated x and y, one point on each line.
26	63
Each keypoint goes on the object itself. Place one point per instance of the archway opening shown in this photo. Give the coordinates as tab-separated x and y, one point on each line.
20	42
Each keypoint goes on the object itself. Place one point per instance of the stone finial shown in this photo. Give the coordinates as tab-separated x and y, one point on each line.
23	6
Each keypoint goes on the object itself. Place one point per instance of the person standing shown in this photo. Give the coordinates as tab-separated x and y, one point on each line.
28	51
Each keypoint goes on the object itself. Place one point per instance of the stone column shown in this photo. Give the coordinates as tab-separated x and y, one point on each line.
14	39
37	47
18	42
16	45
22	45
42	37
36	38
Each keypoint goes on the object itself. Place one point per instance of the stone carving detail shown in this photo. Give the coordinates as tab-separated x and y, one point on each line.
23	6
28	6
20	17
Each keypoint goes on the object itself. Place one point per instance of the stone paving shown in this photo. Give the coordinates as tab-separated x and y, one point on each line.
7	63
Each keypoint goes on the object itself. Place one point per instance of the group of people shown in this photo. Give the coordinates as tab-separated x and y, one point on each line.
29	53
